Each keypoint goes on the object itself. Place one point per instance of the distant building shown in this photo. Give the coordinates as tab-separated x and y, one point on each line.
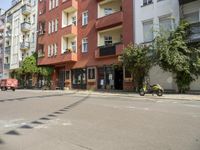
2	27
20	34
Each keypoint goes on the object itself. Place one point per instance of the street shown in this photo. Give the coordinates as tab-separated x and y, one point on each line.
43	120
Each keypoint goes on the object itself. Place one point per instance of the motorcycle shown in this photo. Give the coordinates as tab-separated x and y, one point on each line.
147	88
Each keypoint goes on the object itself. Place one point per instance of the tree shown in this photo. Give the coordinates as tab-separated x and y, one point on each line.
137	59
176	55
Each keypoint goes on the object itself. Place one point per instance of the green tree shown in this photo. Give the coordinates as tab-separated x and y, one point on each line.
176	55
137	59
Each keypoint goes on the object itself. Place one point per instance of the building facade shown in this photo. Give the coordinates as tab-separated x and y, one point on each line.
20	34
2	26
82	41
164	15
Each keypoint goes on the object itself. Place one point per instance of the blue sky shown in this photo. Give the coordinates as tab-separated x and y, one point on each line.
5	4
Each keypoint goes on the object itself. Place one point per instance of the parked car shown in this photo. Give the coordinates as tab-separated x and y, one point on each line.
8	84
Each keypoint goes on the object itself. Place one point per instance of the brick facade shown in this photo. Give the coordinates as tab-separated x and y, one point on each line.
99	58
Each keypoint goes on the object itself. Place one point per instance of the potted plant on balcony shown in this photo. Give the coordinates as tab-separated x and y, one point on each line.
68	50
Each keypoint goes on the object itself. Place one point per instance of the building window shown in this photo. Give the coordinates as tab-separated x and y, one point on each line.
91	73
55	49
52	49
33	37
127	74
73	43
57	1
84	45
49	51
85	18
52	25
56	25
108	40
67	75
108	11
74	20
148	31
33	19
166	24
147	2
49	27
192	17
50	1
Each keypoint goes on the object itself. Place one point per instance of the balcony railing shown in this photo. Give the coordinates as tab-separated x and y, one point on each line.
111	20
26	9
6	66
25	45
194	32
25	26
182	2
109	50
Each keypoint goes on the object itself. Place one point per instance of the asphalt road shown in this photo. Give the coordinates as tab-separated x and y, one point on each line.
36	120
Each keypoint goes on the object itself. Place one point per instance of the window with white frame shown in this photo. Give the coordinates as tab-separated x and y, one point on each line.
53	3
57	2
56	25
91	72
73	44
108	40
49	27
49	51
108	11
85	18
148	31
55	49
192	17
146	2
84	45
52	25
74	20
52	49
50	1
166	24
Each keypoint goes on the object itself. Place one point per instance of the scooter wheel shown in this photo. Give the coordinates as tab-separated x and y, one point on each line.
159	92
142	93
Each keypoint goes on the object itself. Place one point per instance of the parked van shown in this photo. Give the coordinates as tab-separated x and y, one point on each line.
8	84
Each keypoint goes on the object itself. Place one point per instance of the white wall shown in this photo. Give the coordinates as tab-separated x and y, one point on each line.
154	12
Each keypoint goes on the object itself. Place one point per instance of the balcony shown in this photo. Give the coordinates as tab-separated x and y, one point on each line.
194	32
182	2
109	21
25	45
6	66
70	30
70	4
26	9
108	51
25	26
70	57
41	53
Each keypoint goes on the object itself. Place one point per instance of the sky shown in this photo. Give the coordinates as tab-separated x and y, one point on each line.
5	4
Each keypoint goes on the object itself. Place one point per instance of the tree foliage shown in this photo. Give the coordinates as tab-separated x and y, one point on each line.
137	60
176	55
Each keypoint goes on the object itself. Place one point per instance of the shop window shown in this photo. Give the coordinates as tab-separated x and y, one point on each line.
91	73
67	75
127	74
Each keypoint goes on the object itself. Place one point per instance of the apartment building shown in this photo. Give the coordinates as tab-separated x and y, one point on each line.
164	15
2	20
20	34
83	40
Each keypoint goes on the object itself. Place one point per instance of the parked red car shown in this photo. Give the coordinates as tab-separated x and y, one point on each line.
7	84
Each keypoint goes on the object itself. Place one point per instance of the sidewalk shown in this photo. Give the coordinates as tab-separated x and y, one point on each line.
188	97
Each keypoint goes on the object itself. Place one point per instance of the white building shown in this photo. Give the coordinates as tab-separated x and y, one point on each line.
21	28
2	26
158	15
